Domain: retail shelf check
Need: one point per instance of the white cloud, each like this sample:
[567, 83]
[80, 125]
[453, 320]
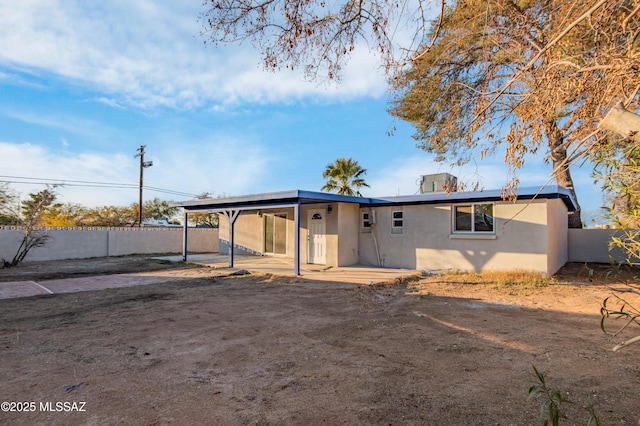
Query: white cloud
[147, 54]
[218, 166]
[68, 123]
[109, 102]
[39, 163]
[221, 164]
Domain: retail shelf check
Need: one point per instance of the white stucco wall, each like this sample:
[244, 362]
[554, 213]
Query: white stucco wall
[82, 243]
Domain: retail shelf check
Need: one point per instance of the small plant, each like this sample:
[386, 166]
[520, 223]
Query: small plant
[552, 399]
[554, 403]
[625, 311]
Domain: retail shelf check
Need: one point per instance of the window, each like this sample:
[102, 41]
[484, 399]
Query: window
[366, 222]
[397, 221]
[473, 218]
[275, 233]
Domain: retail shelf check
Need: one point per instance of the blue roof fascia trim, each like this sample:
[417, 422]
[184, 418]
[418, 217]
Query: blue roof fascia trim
[313, 196]
[282, 197]
[310, 197]
[548, 192]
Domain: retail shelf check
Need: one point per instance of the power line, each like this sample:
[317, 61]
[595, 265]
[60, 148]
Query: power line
[67, 180]
[165, 191]
[99, 184]
[90, 184]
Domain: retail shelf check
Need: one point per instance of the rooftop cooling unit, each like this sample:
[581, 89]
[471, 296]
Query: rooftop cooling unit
[439, 182]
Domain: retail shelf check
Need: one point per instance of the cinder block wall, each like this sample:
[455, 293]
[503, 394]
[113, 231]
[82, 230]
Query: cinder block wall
[592, 245]
[82, 243]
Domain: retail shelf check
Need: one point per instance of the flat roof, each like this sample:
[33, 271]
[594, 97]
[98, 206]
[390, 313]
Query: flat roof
[269, 199]
[527, 193]
[293, 197]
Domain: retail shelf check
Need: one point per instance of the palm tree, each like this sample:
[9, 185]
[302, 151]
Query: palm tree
[344, 176]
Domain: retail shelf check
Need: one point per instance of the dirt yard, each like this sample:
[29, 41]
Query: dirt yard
[260, 349]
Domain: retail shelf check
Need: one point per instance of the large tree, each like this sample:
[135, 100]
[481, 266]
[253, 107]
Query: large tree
[344, 176]
[530, 74]
[69, 214]
[64, 214]
[157, 209]
[315, 35]
[210, 220]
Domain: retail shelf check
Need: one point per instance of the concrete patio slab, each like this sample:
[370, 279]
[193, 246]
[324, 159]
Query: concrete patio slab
[15, 289]
[356, 274]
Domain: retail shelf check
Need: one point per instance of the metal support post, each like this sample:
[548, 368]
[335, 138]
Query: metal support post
[184, 236]
[296, 239]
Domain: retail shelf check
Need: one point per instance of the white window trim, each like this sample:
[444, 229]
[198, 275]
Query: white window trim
[473, 234]
[393, 219]
[466, 235]
[363, 220]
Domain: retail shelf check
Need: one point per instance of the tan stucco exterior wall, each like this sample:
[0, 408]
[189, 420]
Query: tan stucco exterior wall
[348, 229]
[341, 232]
[529, 235]
[249, 231]
[426, 242]
[342, 220]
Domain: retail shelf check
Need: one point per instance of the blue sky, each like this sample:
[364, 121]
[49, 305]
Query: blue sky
[84, 84]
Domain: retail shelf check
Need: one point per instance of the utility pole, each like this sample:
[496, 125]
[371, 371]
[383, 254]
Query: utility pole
[143, 165]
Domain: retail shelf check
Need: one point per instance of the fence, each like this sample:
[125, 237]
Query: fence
[585, 245]
[592, 245]
[85, 242]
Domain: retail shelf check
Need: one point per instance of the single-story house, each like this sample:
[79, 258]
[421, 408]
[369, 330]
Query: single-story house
[471, 231]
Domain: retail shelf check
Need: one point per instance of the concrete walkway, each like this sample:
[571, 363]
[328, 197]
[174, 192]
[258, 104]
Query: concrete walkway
[283, 266]
[217, 266]
[14, 289]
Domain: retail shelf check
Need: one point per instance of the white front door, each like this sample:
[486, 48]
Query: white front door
[317, 237]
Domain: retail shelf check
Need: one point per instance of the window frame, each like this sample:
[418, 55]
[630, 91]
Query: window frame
[472, 231]
[282, 215]
[395, 228]
[365, 221]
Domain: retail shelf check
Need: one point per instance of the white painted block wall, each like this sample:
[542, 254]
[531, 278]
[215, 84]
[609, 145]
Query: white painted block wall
[82, 243]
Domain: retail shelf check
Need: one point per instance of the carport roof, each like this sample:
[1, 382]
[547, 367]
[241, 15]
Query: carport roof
[269, 199]
[295, 197]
